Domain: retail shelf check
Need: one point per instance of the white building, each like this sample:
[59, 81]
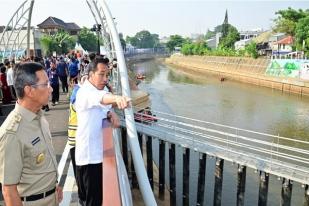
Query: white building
[242, 44]
[213, 43]
[250, 34]
[21, 42]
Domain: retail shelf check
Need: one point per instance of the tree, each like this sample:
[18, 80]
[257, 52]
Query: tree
[88, 39]
[302, 34]
[61, 42]
[175, 41]
[231, 37]
[187, 49]
[251, 50]
[144, 39]
[287, 20]
[132, 40]
[156, 40]
[47, 44]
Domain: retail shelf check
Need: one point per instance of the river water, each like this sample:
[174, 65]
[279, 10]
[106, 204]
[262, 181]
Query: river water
[245, 106]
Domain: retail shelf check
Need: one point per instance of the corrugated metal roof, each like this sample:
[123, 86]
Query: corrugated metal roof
[263, 37]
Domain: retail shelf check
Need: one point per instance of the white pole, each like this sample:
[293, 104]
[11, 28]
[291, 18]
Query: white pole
[143, 182]
[29, 27]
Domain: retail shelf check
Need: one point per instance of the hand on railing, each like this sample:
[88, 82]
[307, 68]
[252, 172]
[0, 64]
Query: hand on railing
[113, 118]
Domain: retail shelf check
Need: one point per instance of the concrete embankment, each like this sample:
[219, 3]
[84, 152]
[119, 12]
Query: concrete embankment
[241, 69]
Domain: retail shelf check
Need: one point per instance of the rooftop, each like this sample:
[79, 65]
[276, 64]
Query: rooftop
[52, 22]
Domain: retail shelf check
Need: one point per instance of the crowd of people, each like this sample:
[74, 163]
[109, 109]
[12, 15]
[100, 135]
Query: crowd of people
[28, 167]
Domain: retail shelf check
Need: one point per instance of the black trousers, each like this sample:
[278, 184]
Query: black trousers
[72, 153]
[13, 93]
[64, 83]
[89, 182]
[55, 93]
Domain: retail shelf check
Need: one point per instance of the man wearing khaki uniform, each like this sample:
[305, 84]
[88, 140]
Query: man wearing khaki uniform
[28, 168]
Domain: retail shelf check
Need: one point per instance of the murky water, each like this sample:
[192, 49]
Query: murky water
[230, 103]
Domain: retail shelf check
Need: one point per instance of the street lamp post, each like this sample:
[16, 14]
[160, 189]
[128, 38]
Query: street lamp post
[97, 28]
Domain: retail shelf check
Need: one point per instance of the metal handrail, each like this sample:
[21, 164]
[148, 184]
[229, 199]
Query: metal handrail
[192, 135]
[224, 126]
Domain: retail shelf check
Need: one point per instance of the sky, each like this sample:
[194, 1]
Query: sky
[163, 17]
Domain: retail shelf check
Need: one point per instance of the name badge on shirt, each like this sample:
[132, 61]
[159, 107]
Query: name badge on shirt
[35, 141]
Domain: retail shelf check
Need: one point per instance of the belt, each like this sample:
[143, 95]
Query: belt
[38, 196]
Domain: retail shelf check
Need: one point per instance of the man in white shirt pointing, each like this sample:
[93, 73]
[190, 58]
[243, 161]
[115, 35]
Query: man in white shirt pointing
[92, 106]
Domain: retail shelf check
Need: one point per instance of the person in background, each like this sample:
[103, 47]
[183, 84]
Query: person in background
[7, 98]
[73, 71]
[54, 82]
[9, 78]
[62, 69]
[41, 61]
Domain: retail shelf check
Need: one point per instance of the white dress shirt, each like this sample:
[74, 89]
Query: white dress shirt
[90, 115]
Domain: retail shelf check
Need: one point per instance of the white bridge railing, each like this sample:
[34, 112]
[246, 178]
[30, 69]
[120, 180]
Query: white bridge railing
[285, 157]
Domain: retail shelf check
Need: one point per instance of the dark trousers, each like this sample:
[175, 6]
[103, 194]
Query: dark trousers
[55, 93]
[72, 153]
[73, 79]
[13, 93]
[89, 182]
[64, 83]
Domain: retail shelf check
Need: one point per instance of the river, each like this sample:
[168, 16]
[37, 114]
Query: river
[245, 106]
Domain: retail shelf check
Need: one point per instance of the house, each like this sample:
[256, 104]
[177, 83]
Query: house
[283, 46]
[52, 25]
[272, 41]
[262, 43]
[239, 45]
[249, 34]
[214, 41]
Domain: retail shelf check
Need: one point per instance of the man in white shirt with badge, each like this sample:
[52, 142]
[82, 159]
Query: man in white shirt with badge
[92, 106]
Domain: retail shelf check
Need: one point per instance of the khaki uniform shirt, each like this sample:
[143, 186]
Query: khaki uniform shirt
[27, 158]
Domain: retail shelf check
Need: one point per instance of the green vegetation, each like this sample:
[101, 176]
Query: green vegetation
[61, 42]
[144, 39]
[231, 37]
[87, 39]
[295, 23]
[175, 41]
[302, 35]
[201, 48]
[251, 51]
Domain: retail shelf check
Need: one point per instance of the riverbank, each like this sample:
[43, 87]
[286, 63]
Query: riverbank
[246, 70]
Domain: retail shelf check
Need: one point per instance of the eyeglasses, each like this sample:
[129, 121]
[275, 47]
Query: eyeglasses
[44, 85]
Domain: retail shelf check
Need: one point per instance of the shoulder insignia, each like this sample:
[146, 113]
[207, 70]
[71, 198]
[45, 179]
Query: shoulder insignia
[14, 123]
